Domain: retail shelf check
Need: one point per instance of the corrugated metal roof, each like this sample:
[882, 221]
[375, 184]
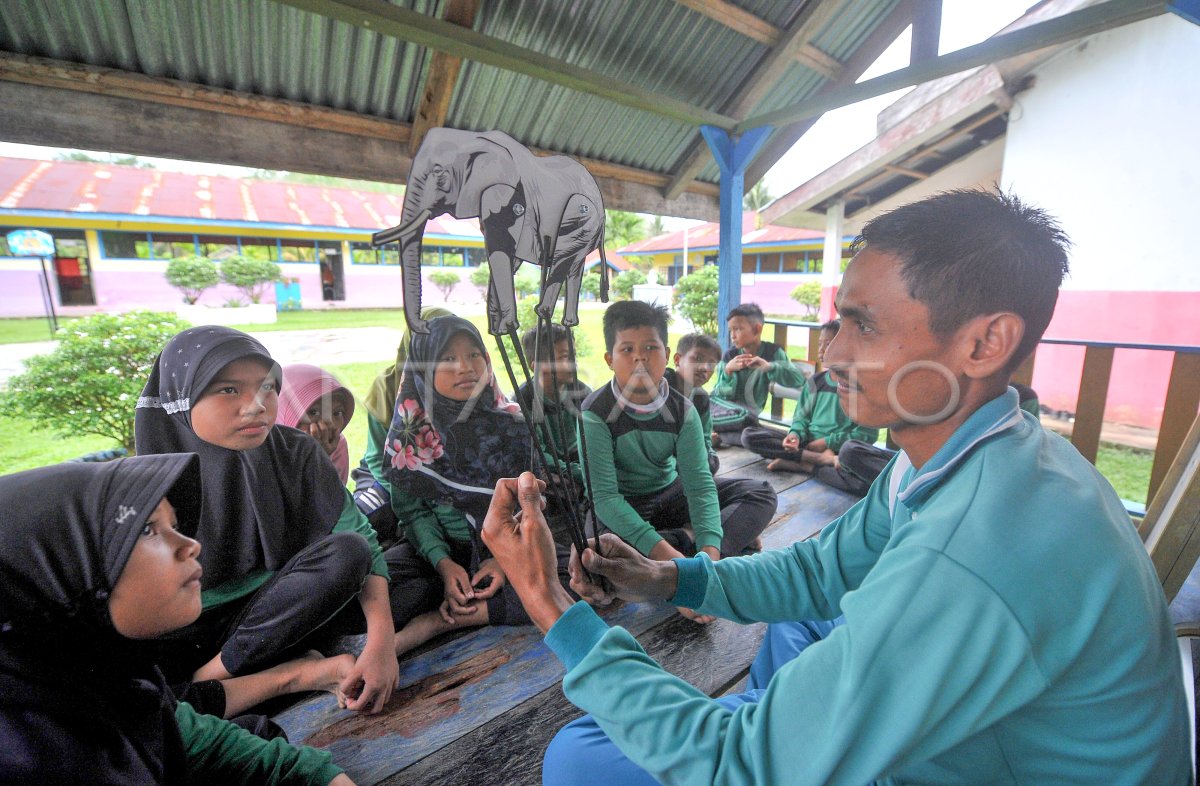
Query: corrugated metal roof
[271, 49]
[108, 189]
[708, 235]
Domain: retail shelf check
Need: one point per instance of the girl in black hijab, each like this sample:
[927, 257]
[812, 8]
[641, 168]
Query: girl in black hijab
[94, 559]
[286, 550]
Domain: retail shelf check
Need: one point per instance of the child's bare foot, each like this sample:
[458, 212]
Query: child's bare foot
[314, 671]
[784, 465]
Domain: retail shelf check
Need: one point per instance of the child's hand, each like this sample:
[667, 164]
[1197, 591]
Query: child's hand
[756, 362]
[488, 579]
[455, 582]
[791, 442]
[738, 363]
[325, 435]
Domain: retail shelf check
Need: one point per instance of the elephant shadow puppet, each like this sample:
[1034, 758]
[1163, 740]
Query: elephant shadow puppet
[545, 210]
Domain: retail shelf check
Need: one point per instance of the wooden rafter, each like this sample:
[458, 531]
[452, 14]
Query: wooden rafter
[440, 78]
[757, 85]
[736, 18]
[396, 22]
[903, 170]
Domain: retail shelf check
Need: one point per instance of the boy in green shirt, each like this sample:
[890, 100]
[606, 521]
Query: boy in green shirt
[1002, 621]
[822, 440]
[646, 459]
[745, 374]
[696, 358]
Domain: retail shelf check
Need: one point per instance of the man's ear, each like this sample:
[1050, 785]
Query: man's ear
[994, 339]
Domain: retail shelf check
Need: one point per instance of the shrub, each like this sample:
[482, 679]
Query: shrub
[480, 277]
[90, 382]
[251, 276]
[808, 295]
[591, 285]
[528, 318]
[191, 276]
[696, 298]
[528, 282]
[445, 281]
[623, 286]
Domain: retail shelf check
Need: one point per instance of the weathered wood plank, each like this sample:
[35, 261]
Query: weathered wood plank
[734, 457]
[1093, 393]
[1179, 409]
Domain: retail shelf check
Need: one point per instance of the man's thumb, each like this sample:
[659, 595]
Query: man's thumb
[529, 494]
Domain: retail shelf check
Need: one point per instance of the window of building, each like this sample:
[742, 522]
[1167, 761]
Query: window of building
[125, 245]
[4, 250]
[218, 247]
[261, 248]
[431, 256]
[453, 257]
[476, 256]
[297, 251]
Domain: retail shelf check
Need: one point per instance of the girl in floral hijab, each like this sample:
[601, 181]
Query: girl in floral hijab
[453, 435]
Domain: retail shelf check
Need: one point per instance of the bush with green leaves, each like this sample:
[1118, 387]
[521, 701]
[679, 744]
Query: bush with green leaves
[251, 276]
[191, 276]
[623, 286]
[480, 277]
[591, 285]
[90, 382]
[528, 281]
[445, 281]
[696, 299]
[808, 295]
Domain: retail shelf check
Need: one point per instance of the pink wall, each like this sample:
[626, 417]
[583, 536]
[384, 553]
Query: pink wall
[773, 294]
[1138, 385]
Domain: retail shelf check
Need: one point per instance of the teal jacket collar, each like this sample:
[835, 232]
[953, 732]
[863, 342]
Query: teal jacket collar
[909, 486]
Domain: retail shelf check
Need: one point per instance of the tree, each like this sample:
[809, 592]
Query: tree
[696, 298]
[624, 284]
[656, 227]
[251, 276]
[591, 284]
[481, 276]
[191, 276]
[757, 197]
[808, 295]
[90, 382]
[445, 281]
[528, 282]
[106, 158]
[622, 228]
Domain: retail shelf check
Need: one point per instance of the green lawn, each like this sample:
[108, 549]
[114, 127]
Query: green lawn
[22, 330]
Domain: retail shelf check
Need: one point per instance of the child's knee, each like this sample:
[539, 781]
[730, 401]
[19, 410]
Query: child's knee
[349, 555]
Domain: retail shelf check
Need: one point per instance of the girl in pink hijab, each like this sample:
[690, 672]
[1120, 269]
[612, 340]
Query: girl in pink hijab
[313, 401]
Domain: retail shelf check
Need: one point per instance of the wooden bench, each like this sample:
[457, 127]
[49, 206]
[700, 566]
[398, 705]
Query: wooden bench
[481, 708]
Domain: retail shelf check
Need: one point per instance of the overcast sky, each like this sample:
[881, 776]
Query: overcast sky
[832, 138]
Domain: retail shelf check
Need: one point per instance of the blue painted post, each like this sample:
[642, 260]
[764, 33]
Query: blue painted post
[733, 156]
[1186, 9]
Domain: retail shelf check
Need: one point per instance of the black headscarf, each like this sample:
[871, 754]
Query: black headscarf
[261, 506]
[78, 701]
[452, 452]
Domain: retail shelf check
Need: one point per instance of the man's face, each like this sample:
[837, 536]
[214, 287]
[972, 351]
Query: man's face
[892, 371]
[743, 332]
[638, 360]
[696, 365]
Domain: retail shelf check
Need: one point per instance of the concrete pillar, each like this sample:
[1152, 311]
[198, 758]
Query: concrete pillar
[831, 270]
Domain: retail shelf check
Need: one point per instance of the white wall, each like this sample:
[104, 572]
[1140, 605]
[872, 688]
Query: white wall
[1109, 141]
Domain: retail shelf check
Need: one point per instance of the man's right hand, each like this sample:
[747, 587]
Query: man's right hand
[628, 575]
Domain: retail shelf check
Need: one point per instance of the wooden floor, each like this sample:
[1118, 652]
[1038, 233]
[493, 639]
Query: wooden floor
[481, 708]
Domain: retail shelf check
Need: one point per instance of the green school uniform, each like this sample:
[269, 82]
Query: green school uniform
[749, 387]
[1003, 624]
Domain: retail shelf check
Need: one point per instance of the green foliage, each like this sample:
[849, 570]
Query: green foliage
[480, 276]
[90, 383]
[249, 275]
[623, 286]
[106, 158]
[191, 276]
[696, 298]
[656, 227]
[591, 284]
[757, 197]
[808, 295]
[328, 180]
[622, 228]
[445, 281]
[528, 317]
[527, 282]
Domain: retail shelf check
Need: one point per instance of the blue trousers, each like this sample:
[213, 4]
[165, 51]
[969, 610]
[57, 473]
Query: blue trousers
[581, 750]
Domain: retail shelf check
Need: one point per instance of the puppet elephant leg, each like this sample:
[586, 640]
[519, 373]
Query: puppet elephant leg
[502, 216]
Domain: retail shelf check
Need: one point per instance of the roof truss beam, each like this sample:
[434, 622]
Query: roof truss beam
[1068, 27]
[441, 76]
[438, 34]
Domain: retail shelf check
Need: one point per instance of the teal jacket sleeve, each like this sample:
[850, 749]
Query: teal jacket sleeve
[353, 520]
[219, 752]
[783, 372]
[691, 461]
[611, 507]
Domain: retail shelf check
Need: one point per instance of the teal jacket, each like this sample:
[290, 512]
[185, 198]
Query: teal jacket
[819, 415]
[1003, 624]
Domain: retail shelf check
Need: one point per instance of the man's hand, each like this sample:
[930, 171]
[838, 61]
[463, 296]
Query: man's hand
[628, 574]
[455, 582]
[522, 544]
[791, 442]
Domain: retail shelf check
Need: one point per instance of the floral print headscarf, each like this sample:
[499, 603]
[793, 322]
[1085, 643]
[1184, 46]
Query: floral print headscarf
[452, 452]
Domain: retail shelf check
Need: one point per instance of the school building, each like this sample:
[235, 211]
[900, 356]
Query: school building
[115, 229]
[775, 259]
